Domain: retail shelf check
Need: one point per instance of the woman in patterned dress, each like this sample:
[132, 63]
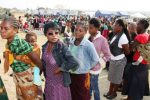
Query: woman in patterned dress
[57, 61]
[22, 71]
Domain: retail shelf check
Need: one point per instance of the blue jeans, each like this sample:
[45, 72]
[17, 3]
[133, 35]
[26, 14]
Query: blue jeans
[94, 86]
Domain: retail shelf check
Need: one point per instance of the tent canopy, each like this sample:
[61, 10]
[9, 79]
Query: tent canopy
[138, 15]
[97, 13]
[107, 13]
[102, 13]
[122, 13]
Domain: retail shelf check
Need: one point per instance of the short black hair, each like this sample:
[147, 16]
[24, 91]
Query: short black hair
[144, 23]
[121, 23]
[95, 22]
[50, 25]
[83, 24]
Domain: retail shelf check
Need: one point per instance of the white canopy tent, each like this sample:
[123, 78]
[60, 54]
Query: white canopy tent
[35, 12]
[138, 15]
[90, 13]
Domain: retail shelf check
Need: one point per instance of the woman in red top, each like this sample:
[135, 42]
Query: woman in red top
[25, 26]
[138, 81]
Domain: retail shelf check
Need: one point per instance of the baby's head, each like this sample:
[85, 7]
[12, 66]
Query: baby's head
[31, 38]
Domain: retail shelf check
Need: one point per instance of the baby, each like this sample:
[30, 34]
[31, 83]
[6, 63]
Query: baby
[32, 39]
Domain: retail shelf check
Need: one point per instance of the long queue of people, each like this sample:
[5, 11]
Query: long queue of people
[72, 68]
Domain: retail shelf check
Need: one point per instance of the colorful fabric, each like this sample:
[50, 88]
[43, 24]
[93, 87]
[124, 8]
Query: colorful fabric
[141, 39]
[54, 87]
[19, 47]
[144, 51]
[25, 88]
[8, 60]
[26, 59]
[37, 50]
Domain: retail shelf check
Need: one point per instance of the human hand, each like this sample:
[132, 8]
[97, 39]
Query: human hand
[57, 71]
[136, 63]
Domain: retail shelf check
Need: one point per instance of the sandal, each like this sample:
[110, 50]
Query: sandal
[110, 97]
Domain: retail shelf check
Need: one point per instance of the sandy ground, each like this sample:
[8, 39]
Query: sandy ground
[10, 86]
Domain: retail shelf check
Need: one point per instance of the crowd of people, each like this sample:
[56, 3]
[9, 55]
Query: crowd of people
[37, 22]
[72, 67]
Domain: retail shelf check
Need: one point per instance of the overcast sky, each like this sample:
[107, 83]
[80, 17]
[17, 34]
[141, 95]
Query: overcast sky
[110, 5]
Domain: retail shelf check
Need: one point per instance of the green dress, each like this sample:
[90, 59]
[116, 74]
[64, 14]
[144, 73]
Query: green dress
[3, 93]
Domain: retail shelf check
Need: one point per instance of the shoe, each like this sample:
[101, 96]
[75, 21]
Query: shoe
[110, 97]
[106, 94]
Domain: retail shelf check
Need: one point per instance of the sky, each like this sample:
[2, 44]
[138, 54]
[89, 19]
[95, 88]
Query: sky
[108, 5]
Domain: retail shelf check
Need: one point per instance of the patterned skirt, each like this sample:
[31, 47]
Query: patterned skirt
[25, 89]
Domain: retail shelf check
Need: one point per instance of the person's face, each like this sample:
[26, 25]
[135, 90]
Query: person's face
[7, 30]
[131, 28]
[139, 28]
[68, 24]
[116, 28]
[52, 35]
[92, 29]
[79, 32]
[32, 40]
